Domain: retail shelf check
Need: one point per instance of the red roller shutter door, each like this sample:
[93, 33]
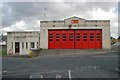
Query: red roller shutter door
[70, 39]
[58, 39]
[78, 40]
[74, 39]
[64, 34]
[98, 40]
[51, 39]
[91, 37]
[85, 39]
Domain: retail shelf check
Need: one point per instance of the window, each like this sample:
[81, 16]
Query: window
[91, 39]
[95, 25]
[77, 39]
[22, 45]
[84, 36]
[50, 36]
[26, 45]
[75, 25]
[64, 39]
[70, 25]
[70, 36]
[45, 21]
[37, 45]
[91, 36]
[57, 39]
[57, 36]
[64, 36]
[12, 45]
[70, 39]
[77, 36]
[98, 36]
[50, 39]
[54, 21]
[98, 39]
[32, 45]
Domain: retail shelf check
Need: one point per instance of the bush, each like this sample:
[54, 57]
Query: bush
[3, 52]
[30, 54]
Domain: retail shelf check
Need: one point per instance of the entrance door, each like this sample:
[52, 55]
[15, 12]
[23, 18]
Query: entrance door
[17, 47]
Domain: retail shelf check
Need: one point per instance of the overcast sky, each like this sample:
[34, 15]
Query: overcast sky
[26, 16]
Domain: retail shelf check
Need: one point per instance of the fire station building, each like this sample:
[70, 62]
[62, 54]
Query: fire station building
[75, 33]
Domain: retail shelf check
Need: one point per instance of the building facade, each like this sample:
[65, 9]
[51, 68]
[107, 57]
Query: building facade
[75, 33]
[22, 42]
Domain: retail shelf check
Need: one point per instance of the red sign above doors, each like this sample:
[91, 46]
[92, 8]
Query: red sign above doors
[74, 21]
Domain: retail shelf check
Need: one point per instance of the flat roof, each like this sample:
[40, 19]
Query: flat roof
[23, 31]
[71, 18]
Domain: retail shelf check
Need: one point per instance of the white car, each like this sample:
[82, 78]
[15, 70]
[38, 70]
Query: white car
[117, 43]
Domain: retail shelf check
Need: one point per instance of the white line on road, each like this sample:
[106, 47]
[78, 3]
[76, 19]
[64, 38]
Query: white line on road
[69, 73]
[104, 56]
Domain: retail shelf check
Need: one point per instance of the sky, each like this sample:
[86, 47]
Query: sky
[26, 16]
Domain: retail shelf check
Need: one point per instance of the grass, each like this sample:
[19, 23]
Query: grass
[3, 52]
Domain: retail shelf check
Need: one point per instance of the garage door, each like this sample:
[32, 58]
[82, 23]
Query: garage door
[74, 39]
[51, 39]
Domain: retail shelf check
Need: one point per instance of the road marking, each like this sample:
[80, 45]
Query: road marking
[69, 73]
[104, 56]
[4, 71]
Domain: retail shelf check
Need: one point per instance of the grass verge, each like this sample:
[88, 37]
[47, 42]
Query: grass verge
[3, 52]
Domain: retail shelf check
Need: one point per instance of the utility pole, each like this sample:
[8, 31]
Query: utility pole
[45, 13]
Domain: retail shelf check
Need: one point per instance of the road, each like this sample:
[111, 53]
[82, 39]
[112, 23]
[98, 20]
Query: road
[80, 66]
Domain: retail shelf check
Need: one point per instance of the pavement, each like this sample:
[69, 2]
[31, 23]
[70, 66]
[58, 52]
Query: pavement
[64, 64]
[73, 52]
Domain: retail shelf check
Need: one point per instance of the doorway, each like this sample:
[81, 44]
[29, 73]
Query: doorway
[17, 47]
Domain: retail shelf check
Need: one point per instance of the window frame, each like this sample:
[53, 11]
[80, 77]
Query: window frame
[26, 45]
[22, 45]
[32, 43]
